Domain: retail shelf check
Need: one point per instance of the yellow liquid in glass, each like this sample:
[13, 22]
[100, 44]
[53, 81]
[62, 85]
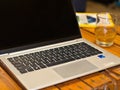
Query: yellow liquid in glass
[105, 35]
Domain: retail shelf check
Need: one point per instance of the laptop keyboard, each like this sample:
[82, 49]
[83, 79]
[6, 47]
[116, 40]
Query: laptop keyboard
[43, 59]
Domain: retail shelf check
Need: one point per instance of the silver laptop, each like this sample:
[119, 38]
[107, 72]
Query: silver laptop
[40, 44]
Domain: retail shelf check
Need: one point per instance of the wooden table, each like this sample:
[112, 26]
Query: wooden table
[7, 83]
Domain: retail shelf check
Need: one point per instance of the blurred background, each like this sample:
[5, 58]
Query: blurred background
[97, 5]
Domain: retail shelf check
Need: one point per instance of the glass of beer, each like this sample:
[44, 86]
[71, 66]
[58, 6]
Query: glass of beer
[105, 30]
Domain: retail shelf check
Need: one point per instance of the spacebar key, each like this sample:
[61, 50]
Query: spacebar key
[56, 63]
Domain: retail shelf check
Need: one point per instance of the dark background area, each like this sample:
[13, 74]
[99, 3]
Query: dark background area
[99, 6]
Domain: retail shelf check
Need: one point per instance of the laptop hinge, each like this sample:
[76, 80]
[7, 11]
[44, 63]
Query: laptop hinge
[4, 54]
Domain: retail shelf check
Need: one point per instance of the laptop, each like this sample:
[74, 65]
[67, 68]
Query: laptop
[41, 44]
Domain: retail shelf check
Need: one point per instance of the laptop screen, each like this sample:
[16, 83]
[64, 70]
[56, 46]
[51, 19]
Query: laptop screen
[26, 22]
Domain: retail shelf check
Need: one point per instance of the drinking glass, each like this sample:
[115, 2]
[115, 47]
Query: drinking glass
[105, 30]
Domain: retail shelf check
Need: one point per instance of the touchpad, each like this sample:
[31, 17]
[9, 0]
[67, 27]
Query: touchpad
[75, 68]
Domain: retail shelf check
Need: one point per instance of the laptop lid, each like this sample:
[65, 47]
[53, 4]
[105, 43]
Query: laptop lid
[30, 23]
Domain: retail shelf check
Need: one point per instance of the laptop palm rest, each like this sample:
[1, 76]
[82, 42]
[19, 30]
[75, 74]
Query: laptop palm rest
[75, 69]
